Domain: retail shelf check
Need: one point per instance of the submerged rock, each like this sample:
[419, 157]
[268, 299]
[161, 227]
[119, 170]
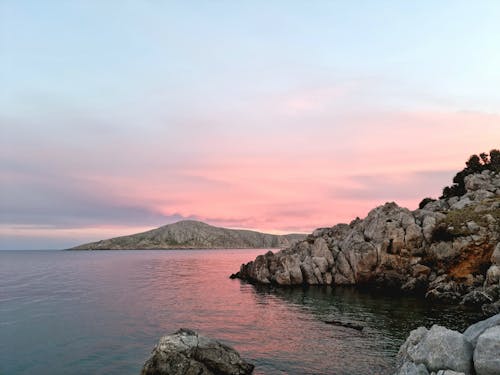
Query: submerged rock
[442, 351]
[187, 353]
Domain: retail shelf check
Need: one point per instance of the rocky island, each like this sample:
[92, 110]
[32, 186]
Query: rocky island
[191, 234]
[447, 249]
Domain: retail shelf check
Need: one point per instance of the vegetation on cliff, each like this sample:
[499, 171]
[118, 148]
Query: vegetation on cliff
[447, 249]
[475, 164]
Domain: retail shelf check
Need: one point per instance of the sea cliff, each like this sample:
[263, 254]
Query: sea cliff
[449, 249]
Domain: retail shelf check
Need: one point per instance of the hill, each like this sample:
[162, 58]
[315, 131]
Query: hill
[191, 234]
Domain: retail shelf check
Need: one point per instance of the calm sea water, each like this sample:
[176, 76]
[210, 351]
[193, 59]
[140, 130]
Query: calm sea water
[102, 313]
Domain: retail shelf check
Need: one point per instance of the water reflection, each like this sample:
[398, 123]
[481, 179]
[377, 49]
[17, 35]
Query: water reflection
[387, 319]
[102, 312]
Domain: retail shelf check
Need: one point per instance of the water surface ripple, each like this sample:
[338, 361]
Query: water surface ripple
[102, 312]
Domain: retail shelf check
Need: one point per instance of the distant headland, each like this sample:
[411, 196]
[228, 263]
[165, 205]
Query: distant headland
[192, 234]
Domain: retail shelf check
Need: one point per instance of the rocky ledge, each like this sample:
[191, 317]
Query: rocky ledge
[187, 353]
[448, 249]
[441, 351]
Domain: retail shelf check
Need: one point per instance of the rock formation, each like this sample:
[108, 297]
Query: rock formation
[187, 353]
[449, 249]
[190, 234]
[441, 351]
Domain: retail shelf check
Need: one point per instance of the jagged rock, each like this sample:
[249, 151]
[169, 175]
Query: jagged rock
[493, 275]
[410, 368]
[420, 269]
[476, 298]
[491, 308]
[442, 250]
[461, 204]
[437, 349]
[444, 254]
[487, 352]
[187, 353]
[428, 225]
[474, 331]
[473, 227]
[477, 182]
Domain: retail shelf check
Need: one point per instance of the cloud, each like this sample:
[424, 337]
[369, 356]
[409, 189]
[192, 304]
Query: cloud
[402, 186]
[289, 172]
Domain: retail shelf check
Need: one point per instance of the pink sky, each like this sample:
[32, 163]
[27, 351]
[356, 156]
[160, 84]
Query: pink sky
[265, 115]
[291, 182]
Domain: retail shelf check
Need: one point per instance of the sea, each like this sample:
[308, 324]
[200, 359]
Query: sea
[102, 312]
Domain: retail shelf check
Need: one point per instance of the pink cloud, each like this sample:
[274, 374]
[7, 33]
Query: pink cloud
[329, 172]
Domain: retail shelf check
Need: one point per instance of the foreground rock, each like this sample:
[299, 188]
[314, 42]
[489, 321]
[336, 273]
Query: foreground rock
[442, 351]
[447, 250]
[187, 353]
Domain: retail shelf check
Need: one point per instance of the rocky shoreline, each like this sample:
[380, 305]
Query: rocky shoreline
[447, 250]
[434, 351]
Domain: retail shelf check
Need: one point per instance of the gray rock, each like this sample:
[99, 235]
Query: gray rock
[462, 203]
[473, 227]
[410, 368]
[438, 348]
[477, 182]
[487, 352]
[442, 250]
[428, 225]
[449, 372]
[187, 353]
[474, 331]
[493, 275]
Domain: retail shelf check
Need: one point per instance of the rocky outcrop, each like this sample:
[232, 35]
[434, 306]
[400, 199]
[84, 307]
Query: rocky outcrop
[448, 250]
[190, 234]
[441, 351]
[187, 353]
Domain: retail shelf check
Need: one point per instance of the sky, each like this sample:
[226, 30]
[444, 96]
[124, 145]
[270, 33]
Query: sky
[280, 116]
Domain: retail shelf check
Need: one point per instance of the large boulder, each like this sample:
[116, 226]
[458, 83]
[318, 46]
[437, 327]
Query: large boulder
[437, 349]
[478, 181]
[441, 351]
[187, 353]
[474, 331]
[487, 352]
